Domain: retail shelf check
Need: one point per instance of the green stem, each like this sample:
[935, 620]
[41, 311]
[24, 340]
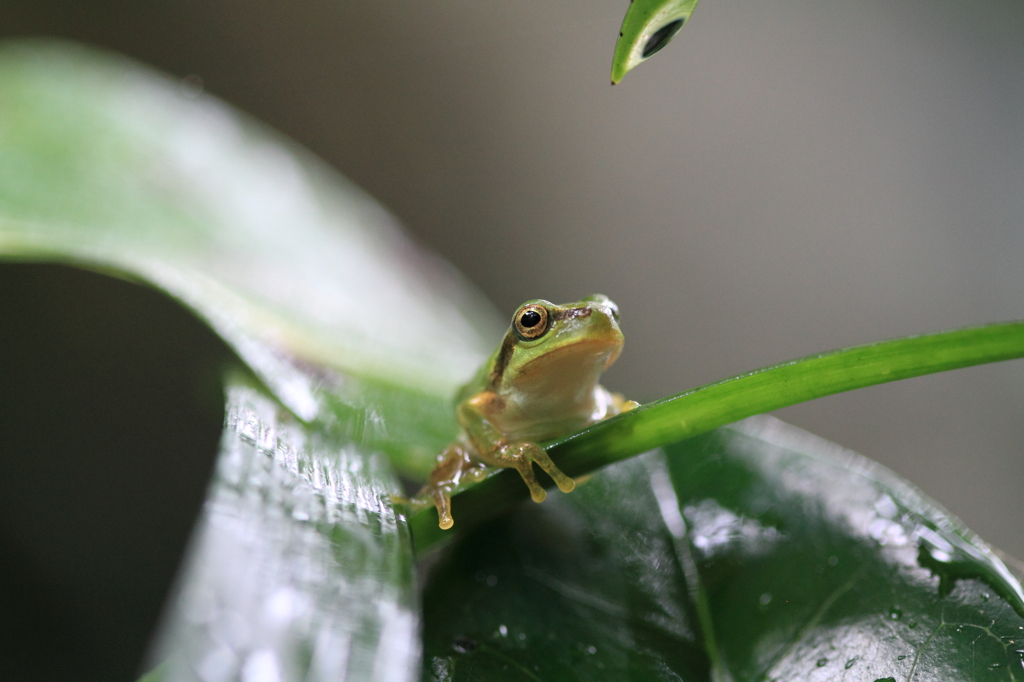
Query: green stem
[708, 407]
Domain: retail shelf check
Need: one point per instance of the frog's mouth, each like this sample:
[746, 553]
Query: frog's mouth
[574, 365]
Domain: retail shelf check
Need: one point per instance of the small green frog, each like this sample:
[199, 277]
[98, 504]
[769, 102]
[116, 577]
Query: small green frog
[540, 384]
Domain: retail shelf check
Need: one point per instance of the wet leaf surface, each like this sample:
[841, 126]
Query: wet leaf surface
[585, 586]
[300, 567]
[810, 560]
[756, 552]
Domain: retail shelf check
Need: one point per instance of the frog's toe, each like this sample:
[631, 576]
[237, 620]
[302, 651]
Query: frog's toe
[537, 493]
[444, 509]
[525, 469]
[564, 483]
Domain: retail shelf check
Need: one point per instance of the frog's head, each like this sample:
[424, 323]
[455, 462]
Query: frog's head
[558, 347]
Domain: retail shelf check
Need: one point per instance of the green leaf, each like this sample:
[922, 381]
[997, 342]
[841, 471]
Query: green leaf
[707, 407]
[300, 566]
[647, 28]
[756, 552]
[585, 587]
[813, 560]
[106, 164]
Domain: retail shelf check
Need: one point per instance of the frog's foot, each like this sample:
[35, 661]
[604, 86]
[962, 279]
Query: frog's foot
[440, 496]
[564, 483]
[522, 456]
[443, 502]
[453, 465]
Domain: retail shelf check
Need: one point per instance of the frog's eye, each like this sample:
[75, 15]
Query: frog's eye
[531, 321]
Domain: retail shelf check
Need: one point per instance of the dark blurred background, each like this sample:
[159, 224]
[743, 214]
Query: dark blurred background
[99, 484]
[787, 177]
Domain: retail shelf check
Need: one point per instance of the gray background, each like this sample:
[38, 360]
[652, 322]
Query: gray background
[788, 176]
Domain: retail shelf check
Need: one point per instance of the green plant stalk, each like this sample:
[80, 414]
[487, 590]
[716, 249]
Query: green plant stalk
[713, 405]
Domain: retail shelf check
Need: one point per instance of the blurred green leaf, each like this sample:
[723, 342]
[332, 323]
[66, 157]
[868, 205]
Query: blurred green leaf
[756, 552]
[300, 566]
[106, 164]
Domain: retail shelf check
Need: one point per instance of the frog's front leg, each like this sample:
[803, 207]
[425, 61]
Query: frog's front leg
[495, 449]
[455, 464]
[522, 456]
[443, 479]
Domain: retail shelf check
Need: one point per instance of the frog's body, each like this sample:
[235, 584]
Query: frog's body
[540, 384]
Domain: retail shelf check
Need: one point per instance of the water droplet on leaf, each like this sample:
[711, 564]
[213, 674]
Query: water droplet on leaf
[464, 645]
